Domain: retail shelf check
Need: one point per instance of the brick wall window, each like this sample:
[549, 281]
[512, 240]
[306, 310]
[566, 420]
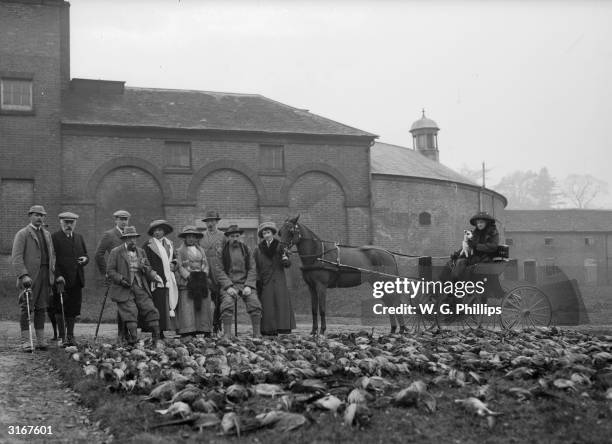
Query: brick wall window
[548, 241]
[425, 218]
[550, 267]
[16, 94]
[589, 241]
[272, 158]
[177, 155]
[16, 198]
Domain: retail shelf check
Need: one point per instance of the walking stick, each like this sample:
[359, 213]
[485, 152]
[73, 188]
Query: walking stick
[27, 293]
[101, 312]
[60, 288]
[236, 316]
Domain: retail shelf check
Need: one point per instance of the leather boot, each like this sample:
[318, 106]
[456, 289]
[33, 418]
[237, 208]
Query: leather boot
[256, 323]
[132, 330]
[70, 331]
[41, 344]
[55, 323]
[155, 335]
[227, 328]
[25, 345]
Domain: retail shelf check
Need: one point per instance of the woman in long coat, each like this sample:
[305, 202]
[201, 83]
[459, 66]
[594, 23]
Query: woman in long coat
[162, 257]
[271, 261]
[194, 311]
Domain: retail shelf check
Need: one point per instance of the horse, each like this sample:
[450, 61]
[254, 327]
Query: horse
[326, 265]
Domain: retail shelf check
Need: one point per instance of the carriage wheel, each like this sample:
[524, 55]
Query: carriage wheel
[525, 306]
[423, 320]
[473, 321]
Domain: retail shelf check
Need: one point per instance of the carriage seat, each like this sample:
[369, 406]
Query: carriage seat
[503, 253]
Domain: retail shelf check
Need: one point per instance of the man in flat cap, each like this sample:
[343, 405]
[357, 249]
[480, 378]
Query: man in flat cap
[110, 240]
[71, 257]
[130, 273]
[236, 273]
[213, 242]
[33, 262]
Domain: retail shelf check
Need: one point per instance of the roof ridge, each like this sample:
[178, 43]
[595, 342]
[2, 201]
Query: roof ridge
[144, 88]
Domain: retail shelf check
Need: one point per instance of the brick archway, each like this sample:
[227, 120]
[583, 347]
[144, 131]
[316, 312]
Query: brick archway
[316, 167]
[134, 162]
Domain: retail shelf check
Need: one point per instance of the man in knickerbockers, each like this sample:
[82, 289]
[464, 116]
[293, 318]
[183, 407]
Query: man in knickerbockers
[213, 241]
[71, 257]
[110, 240]
[236, 272]
[130, 273]
[33, 262]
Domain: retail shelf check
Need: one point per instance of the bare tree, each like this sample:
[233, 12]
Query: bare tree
[581, 189]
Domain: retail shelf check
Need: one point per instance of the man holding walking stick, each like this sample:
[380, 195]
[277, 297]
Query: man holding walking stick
[33, 263]
[71, 257]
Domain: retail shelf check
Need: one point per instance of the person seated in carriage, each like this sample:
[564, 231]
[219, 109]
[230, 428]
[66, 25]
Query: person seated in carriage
[482, 245]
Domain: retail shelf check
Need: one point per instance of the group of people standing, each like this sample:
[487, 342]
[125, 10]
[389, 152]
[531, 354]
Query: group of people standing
[190, 289]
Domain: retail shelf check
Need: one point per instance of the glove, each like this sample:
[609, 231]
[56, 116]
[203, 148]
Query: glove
[26, 281]
[159, 281]
[246, 291]
[232, 291]
[124, 283]
[172, 314]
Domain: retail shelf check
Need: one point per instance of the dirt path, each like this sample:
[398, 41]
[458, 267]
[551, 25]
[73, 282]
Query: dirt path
[33, 394]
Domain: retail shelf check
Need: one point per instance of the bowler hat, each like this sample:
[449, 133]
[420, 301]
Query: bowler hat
[129, 232]
[482, 215]
[67, 215]
[211, 215]
[160, 223]
[266, 226]
[190, 229]
[37, 209]
[122, 213]
[233, 229]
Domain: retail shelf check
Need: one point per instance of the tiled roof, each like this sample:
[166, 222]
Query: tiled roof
[559, 220]
[402, 161]
[183, 109]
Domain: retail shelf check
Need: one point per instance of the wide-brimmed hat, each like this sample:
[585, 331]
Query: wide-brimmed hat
[122, 213]
[482, 215]
[233, 229]
[160, 223]
[67, 215]
[129, 232]
[37, 209]
[211, 215]
[190, 229]
[267, 226]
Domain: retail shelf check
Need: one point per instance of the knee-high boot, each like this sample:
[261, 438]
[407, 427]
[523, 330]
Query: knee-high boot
[54, 323]
[61, 328]
[70, 330]
[132, 330]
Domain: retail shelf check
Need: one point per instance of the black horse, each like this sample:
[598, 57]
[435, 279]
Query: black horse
[326, 265]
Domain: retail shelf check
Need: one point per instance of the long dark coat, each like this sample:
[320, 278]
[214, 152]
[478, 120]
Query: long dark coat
[160, 295]
[275, 298]
[66, 253]
[485, 243]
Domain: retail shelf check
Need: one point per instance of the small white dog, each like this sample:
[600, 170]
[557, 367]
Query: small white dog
[466, 250]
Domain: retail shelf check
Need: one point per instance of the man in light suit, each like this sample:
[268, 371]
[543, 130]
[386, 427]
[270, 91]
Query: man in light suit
[71, 257]
[110, 240]
[130, 274]
[33, 262]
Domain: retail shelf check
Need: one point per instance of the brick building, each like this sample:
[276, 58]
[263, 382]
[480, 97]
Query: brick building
[94, 146]
[577, 241]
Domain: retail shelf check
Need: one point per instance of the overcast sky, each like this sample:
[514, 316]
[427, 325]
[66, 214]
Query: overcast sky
[519, 85]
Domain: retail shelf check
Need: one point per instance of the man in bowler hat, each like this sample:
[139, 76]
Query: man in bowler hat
[71, 257]
[213, 241]
[130, 273]
[33, 262]
[236, 273]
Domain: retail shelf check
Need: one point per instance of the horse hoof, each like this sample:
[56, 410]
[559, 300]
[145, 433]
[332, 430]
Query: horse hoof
[313, 333]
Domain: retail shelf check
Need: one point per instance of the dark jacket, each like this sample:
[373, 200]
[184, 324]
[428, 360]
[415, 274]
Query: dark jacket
[118, 268]
[110, 240]
[222, 267]
[67, 251]
[153, 254]
[485, 243]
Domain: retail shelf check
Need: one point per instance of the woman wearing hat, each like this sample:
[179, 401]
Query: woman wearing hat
[162, 257]
[194, 310]
[484, 243]
[271, 261]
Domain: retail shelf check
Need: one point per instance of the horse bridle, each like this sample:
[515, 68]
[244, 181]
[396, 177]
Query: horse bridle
[295, 228]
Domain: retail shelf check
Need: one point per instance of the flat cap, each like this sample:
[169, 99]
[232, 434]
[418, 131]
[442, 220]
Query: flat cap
[67, 215]
[122, 213]
[37, 209]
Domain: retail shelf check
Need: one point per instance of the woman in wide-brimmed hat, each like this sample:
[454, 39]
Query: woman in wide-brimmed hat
[271, 261]
[194, 311]
[162, 257]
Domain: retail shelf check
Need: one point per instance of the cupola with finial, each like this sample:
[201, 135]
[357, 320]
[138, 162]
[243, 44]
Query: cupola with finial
[425, 137]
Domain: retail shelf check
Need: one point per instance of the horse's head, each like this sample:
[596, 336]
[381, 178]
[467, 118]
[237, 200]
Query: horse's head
[290, 233]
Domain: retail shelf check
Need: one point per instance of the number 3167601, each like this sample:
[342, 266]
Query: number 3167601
[29, 430]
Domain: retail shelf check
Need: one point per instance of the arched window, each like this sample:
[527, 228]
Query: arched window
[424, 218]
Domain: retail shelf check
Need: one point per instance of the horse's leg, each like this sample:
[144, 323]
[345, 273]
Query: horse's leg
[322, 295]
[314, 303]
